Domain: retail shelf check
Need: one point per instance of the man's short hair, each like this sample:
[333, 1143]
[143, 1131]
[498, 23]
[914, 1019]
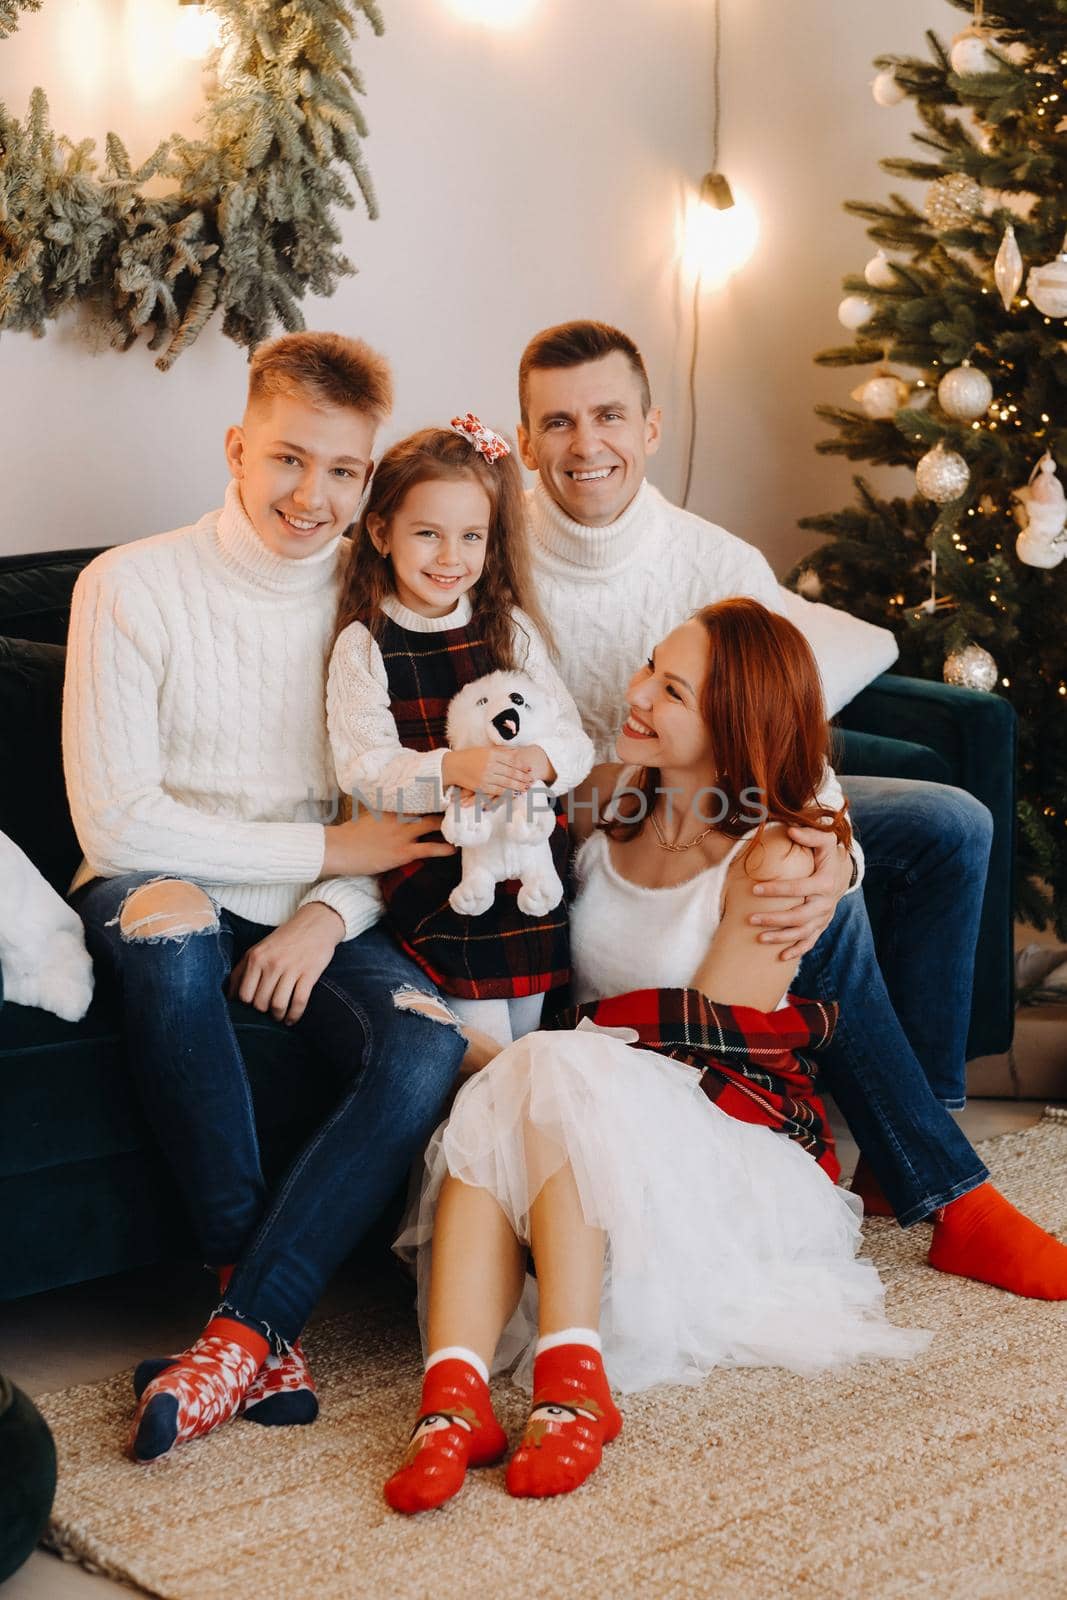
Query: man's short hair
[326, 368]
[572, 344]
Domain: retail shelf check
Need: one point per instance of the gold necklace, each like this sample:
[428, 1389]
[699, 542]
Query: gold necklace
[677, 848]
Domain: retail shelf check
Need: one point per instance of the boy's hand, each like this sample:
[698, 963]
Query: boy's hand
[800, 929]
[279, 973]
[372, 844]
[490, 770]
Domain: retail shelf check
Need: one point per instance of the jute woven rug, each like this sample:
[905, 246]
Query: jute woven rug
[943, 1478]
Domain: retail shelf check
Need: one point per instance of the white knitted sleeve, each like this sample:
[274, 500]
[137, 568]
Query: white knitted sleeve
[124, 818]
[370, 760]
[569, 748]
[357, 902]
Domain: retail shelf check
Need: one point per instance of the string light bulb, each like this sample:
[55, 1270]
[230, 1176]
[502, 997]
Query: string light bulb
[721, 231]
[197, 31]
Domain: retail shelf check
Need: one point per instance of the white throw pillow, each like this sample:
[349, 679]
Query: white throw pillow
[850, 652]
[42, 944]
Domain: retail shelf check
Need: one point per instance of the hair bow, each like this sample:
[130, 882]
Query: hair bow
[489, 444]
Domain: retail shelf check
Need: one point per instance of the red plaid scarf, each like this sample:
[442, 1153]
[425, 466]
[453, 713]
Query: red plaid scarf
[752, 1063]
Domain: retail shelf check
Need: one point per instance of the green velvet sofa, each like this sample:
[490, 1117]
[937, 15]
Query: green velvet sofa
[83, 1192]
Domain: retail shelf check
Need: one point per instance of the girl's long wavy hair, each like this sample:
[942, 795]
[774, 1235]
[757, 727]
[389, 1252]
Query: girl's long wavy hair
[763, 705]
[428, 456]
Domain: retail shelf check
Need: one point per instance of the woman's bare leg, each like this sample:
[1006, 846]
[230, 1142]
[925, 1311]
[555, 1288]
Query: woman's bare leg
[477, 1271]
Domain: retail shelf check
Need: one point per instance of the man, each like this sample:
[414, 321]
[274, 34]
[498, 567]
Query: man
[200, 778]
[617, 567]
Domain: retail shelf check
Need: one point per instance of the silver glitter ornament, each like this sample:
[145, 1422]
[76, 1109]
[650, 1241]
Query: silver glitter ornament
[942, 475]
[965, 394]
[952, 201]
[971, 668]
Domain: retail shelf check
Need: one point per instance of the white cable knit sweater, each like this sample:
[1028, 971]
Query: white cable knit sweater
[612, 593]
[194, 735]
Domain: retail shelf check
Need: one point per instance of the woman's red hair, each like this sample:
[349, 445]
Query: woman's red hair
[763, 705]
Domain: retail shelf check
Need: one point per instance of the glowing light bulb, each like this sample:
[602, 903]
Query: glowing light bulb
[494, 13]
[720, 231]
[197, 30]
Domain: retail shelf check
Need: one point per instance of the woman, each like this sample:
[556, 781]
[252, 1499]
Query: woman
[669, 1235]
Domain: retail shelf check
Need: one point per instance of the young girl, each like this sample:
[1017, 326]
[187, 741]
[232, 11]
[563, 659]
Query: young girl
[661, 1220]
[436, 595]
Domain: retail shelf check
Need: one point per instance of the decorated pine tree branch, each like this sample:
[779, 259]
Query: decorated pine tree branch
[961, 323]
[247, 225]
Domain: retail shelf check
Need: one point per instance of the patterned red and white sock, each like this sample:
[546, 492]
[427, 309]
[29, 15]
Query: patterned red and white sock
[572, 1418]
[282, 1393]
[203, 1389]
[455, 1429]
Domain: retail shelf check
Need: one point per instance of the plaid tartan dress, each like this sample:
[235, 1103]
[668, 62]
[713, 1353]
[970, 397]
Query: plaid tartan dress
[753, 1064]
[502, 954]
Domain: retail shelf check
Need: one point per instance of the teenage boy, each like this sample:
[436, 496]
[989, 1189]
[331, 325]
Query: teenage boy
[201, 783]
[617, 567]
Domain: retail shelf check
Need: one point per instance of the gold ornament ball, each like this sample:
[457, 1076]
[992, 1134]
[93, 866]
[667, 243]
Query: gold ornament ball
[965, 394]
[952, 201]
[971, 668]
[942, 475]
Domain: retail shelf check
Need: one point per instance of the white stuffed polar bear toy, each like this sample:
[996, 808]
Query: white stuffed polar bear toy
[508, 838]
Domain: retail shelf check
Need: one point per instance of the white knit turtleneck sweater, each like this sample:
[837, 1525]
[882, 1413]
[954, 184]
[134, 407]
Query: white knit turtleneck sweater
[194, 734]
[610, 594]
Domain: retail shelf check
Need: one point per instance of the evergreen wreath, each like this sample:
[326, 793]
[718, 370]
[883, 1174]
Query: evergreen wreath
[247, 222]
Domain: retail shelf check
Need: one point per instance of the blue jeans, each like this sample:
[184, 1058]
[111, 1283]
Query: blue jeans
[394, 1069]
[898, 1054]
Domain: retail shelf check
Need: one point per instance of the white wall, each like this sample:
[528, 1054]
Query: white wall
[525, 176]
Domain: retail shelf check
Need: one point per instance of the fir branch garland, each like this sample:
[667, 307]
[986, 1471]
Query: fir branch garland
[247, 225]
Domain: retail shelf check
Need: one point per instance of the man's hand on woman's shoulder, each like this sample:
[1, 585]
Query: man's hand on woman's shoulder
[828, 877]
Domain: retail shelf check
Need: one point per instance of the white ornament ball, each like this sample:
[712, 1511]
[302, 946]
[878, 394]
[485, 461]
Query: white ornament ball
[881, 397]
[965, 394]
[971, 668]
[1046, 287]
[887, 91]
[942, 475]
[809, 584]
[878, 272]
[855, 310]
[970, 54]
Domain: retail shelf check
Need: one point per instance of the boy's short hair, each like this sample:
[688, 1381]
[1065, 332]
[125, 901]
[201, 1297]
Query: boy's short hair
[325, 367]
[572, 344]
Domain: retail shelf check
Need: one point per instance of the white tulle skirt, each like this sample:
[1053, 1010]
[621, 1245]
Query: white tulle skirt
[726, 1244]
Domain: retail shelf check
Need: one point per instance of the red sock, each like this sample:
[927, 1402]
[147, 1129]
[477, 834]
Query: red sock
[866, 1185]
[573, 1417]
[981, 1235]
[455, 1429]
[203, 1388]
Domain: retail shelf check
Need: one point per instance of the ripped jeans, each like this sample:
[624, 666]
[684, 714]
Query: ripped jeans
[394, 1067]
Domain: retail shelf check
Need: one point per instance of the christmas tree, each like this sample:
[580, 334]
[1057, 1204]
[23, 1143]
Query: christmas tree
[960, 318]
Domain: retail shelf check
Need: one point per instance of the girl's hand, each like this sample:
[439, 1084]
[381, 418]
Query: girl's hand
[371, 844]
[490, 771]
[800, 929]
[279, 973]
